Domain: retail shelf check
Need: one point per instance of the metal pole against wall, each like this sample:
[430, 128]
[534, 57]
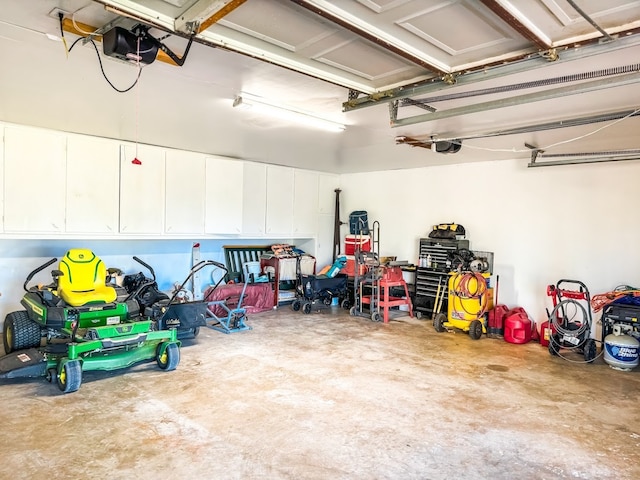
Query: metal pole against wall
[336, 226]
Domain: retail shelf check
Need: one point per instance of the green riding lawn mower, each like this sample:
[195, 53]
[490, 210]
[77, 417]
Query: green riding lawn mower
[83, 321]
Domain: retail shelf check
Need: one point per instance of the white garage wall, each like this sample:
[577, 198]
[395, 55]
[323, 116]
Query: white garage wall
[543, 224]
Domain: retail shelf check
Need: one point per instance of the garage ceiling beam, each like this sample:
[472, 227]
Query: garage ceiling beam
[532, 62]
[201, 15]
[537, 127]
[626, 79]
[581, 158]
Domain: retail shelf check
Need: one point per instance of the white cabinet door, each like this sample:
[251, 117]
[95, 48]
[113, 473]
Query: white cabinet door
[279, 216]
[141, 190]
[305, 203]
[254, 198]
[324, 248]
[92, 185]
[34, 180]
[327, 185]
[224, 198]
[184, 207]
[2, 179]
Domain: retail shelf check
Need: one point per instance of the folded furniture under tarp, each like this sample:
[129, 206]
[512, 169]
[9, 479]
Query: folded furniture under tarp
[258, 297]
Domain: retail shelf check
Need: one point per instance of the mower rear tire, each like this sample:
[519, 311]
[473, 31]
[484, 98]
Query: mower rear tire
[295, 306]
[590, 350]
[168, 356]
[475, 329]
[69, 375]
[438, 322]
[20, 332]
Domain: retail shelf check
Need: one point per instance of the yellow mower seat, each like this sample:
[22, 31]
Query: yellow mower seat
[83, 279]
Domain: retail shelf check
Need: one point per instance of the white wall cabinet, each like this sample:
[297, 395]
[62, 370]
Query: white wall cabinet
[2, 179]
[254, 198]
[279, 207]
[51, 182]
[224, 198]
[184, 192]
[34, 180]
[305, 203]
[141, 190]
[92, 192]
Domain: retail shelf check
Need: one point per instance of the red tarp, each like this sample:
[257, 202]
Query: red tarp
[257, 298]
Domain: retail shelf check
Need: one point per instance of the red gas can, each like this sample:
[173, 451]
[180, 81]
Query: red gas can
[545, 333]
[517, 326]
[495, 320]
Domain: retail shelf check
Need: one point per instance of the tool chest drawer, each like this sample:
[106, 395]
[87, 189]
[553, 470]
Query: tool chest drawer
[426, 289]
[428, 278]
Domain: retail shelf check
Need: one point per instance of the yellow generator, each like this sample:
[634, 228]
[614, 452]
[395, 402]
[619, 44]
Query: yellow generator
[469, 299]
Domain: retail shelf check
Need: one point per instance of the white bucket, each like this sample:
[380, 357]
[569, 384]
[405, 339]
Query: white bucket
[251, 268]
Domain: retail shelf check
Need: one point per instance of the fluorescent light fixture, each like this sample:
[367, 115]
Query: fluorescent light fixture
[289, 114]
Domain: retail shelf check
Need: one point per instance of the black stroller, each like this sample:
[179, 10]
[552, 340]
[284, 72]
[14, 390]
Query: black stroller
[313, 291]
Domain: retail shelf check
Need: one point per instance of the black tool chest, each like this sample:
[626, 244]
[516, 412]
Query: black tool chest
[428, 278]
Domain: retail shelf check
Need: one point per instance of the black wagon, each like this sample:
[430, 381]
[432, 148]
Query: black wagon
[318, 291]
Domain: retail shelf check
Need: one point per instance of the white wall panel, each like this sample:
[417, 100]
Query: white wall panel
[543, 224]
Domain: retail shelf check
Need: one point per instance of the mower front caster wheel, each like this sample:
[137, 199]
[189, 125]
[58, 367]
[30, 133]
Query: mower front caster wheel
[346, 304]
[438, 322]
[168, 356]
[376, 317]
[306, 308]
[295, 306]
[475, 329]
[69, 376]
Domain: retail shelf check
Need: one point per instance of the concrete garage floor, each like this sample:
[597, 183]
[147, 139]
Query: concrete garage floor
[329, 396]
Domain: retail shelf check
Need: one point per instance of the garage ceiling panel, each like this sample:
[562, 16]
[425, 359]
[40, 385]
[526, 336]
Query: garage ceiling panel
[375, 45]
[458, 28]
[561, 23]
[355, 56]
[265, 21]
